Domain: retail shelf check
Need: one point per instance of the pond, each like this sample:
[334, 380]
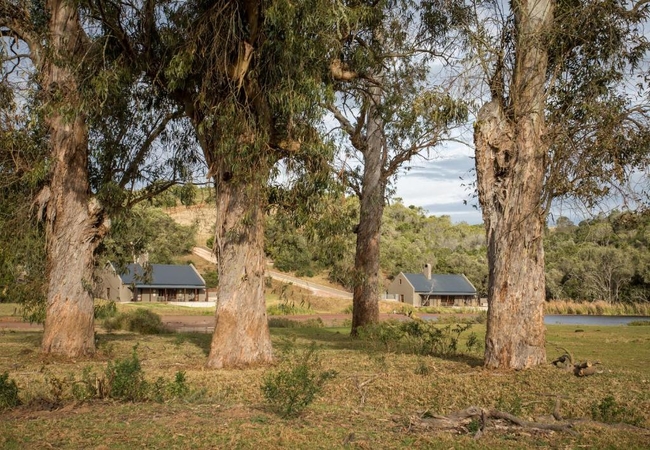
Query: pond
[553, 319]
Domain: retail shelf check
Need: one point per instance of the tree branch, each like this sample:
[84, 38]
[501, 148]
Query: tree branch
[131, 171]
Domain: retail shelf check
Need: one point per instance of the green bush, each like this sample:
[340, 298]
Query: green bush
[608, 410]
[291, 389]
[105, 309]
[140, 320]
[211, 279]
[125, 379]
[8, 392]
[419, 337]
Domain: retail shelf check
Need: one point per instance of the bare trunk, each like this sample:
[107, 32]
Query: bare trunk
[365, 306]
[510, 155]
[241, 335]
[74, 219]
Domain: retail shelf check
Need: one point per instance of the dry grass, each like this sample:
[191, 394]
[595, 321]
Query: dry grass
[349, 414]
[597, 308]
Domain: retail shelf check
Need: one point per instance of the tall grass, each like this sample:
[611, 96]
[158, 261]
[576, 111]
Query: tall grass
[597, 308]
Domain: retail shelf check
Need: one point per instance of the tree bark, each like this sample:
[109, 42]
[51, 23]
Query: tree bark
[365, 306]
[74, 219]
[241, 335]
[510, 163]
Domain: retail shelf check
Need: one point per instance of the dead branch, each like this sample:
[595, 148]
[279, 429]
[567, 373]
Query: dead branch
[459, 420]
[362, 388]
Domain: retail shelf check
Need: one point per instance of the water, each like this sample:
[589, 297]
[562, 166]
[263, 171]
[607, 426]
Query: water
[591, 320]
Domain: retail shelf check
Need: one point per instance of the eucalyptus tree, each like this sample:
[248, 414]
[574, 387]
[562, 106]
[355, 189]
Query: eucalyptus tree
[565, 118]
[75, 83]
[392, 106]
[22, 172]
[242, 72]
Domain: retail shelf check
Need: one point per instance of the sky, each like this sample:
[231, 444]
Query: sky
[442, 184]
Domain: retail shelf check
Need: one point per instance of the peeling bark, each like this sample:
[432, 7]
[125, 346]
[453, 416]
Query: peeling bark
[510, 163]
[241, 335]
[75, 221]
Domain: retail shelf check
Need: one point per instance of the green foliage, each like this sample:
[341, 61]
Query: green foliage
[122, 380]
[105, 309]
[291, 389]
[211, 278]
[125, 379]
[8, 392]
[140, 320]
[605, 258]
[608, 410]
[146, 230]
[420, 337]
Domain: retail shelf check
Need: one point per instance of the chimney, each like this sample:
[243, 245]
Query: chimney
[427, 271]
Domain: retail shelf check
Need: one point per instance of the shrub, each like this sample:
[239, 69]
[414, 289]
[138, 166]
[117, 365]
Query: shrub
[291, 389]
[420, 337]
[8, 392]
[609, 411]
[105, 309]
[125, 379]
[140, 320]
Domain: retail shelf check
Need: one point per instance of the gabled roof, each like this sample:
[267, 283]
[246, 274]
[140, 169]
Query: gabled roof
[441, 284]
[163, 276]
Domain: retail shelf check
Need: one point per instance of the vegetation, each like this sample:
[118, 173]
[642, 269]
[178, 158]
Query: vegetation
[372, 402]
[559, 121]
[8, 393]
[146, 230]
[140, 320]
[295, 386]
[605, 258]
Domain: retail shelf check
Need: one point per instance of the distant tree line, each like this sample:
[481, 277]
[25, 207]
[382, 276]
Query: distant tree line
[604, 258]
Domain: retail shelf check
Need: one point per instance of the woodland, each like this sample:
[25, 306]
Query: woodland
[289, 106]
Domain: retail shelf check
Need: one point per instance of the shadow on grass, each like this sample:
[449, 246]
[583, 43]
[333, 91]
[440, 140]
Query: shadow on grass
[340, 339]
[201, 340]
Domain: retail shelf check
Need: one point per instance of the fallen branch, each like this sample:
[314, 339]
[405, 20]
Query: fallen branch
[566, 362]
[459, 421]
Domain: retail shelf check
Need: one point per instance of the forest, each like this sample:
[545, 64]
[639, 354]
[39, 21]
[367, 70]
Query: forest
[606, 257]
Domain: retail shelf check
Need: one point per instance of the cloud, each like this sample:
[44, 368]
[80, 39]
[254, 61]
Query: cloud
[436, 186]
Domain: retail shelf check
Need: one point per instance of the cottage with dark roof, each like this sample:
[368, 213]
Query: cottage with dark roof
[426, 289]
[153, 283]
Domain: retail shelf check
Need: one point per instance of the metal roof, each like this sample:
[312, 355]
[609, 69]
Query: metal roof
[441, 284]
[163, 276]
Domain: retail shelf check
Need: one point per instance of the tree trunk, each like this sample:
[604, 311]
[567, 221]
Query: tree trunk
[510, 156]
[74, 218]
[365, 303]
[241, 335]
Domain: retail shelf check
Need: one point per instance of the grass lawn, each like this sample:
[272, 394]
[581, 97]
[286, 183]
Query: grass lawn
[372, 402]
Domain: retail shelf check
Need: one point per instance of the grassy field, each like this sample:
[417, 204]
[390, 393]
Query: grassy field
[373, 402]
